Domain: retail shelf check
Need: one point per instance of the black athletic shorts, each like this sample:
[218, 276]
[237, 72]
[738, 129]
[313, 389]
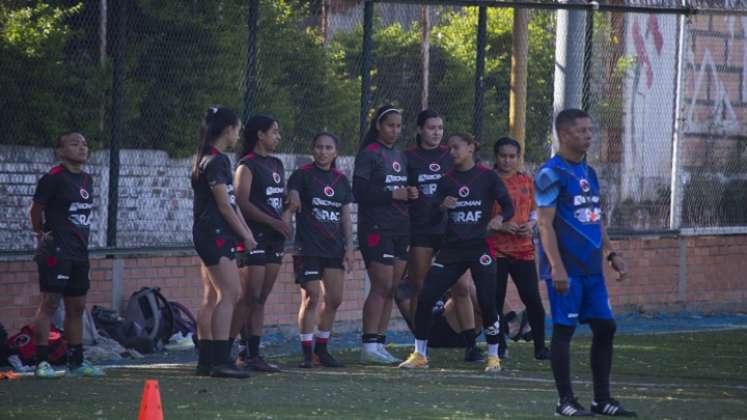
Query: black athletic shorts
[66, 277]
[270, 252]
[383, 248]
[426, 240]
[212, 244]
[442, 336]
[312, 268]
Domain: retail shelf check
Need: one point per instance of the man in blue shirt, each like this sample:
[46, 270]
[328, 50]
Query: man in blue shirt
[571, 258]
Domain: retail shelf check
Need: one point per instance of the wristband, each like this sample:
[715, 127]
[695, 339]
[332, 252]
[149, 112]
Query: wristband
[612, 255]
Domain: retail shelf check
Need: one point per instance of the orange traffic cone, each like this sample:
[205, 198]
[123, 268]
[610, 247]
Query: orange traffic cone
[150, 406]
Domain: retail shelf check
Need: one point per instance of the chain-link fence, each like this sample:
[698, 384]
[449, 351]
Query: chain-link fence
[668, 95]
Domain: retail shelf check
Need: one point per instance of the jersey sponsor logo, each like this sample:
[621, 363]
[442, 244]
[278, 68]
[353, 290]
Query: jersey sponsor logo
[276, 203]
[466, 217]
[387, 256]
[84, 194]
[276, 177]
[428, 189]
[274, 190]
[468, 203]
[391, 179]
[582, 199]
[329, 191]
[326, 215]
[486, 259]
[434, 167]
[63, 277]
[428, 177]
[310, 273]
[463, 191]
[396, 166]
[584, 184]
[587, 215]
[325, 203]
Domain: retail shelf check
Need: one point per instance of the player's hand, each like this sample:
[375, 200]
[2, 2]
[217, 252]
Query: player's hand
[43, 236]
[294, 203]
[412, 193]
[400, 194]
[248, 242]
[283, 227]
[509, 227]
[526, 229]
[560, 280]
[348, 260]
[618, 264]
[449, 202]
[495, 224]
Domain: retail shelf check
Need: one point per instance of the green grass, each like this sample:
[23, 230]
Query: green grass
[678, 376]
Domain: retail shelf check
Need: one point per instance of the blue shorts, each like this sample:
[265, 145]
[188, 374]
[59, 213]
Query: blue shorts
[586, 299]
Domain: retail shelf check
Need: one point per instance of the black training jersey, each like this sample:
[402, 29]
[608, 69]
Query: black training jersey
[67, 199]
[267, 193]
[424, 169]
[215, 169]
[476, 191]
[385, 170]
[319, 230]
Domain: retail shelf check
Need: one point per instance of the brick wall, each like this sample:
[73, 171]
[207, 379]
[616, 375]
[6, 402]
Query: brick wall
[667, 274]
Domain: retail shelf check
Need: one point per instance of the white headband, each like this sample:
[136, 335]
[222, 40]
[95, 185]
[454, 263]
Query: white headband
[378, 120]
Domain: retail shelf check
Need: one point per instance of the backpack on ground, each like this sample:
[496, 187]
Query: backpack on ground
[24, 345]
[148, 308]
[127, 333]
[184, 321]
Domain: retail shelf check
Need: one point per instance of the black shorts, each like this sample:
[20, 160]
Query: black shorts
[212, 244]
[442, 335]
[66, 277]
[309, 268]
[383, 248]
[426, 240]
[270, 252]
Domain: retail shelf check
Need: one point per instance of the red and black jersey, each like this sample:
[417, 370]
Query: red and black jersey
[424, 169]
[267, 192]
[67, 199]
[319, 231]
[476, 190]
[215, 169]
[379, 170]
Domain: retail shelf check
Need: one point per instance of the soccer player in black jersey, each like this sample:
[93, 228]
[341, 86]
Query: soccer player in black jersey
[218, 229]
[467, 194]
[321, 196]
[61, 220]
[260, 191]
[380, 188]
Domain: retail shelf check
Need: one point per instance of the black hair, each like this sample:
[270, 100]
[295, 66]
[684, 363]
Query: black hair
[334, 139]
[506, 141]
[256, 123]
[214, 122]
[567, 118]
[424, 116]
[373, 133]
[57, 142]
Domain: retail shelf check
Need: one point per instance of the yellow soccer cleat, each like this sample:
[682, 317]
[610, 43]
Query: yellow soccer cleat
[414, 361]
[493, 364]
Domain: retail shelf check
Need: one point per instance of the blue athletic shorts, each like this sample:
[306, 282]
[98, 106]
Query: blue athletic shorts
[585, 299]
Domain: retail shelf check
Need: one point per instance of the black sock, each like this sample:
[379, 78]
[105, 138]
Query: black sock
[220, 352]
[370, 338]
[601, 356]
[468, 337]
[381, 338]
[307, 348]
[252, 345]
[205, 353]
[560, 359]
[42, 354]
[320, 344]
[75, 354]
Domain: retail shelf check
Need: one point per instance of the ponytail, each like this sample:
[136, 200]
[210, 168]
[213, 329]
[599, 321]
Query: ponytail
[373, 133]
[213, 123]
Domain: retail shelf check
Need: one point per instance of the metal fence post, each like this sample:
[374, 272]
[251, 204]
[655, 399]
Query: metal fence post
[120, 58]
[482, 23]
[250, 77]
[368, 14]
[675, 197]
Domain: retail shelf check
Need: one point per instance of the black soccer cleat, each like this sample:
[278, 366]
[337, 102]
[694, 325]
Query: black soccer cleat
[570, 407]
[258, 364]
[611, 407]
[307, 363]
[474, 354]
[229, 370]
[325, 359]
